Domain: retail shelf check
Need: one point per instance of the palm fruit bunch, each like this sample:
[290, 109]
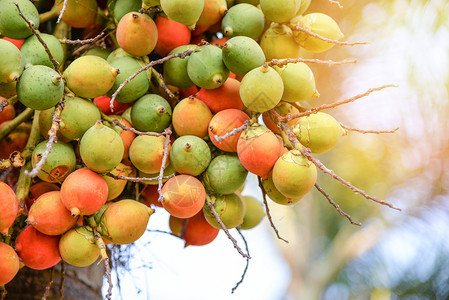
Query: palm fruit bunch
[181, 98]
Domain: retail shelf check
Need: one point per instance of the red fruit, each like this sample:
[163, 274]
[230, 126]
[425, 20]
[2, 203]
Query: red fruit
[198, 39]
[151, 195]
[224, 122]
[198, 231]
[15, 141]
[8, 113]
[198, 31]
[8, 207]
[84, 192]
[9, 263]
[171, 35]
[187, 92]
[184, 196]
[17, 43]
[137, 34]
[102, 103]
[49, 215]
[37, 190]
[220, 42]
[37, 250]
[258, 149]
[225, 97]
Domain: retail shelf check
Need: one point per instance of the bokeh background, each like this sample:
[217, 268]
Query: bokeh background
[393, 255]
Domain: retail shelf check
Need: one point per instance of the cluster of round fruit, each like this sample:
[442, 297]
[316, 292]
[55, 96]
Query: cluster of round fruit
[232, 64]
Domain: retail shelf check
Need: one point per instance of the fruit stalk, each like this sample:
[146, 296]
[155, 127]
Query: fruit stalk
[167, 133]
[25, 115]
[104, 256]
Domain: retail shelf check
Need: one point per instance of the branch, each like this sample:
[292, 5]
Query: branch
[337, 207]
[267, 210]
[247, 262]
[13, 124]
[47, 288]
[64, 6]
[83, 42]
[124, 127]
[232, 132]
[31, 26]
[104, 256]
[286, 61]
[299, 28]
[336, 2]
[138, 179]
[151, 64]
[164, 232]
[167, 133]
[217, 217]
[61, 284]
[23, 187]
[368, 131]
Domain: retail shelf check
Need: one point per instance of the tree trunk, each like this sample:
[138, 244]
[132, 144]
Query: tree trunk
[79, 283]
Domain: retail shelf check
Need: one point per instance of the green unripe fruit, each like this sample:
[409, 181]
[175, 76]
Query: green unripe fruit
[252, 2]
[11, 23]
[169, 170]
[206, 68]
[146, 153]
[186, 12]
[116, 54]
[34, 53]
[136, 88]
[278, 42]
[175, 69]
[98, 51]
[59, 163]
[101, 148]
[320, 132]
[78, 248]
[243, 19]
[11, 61]
[90, 76]
[241, 54]
[151, 113]
[303, 7]
[122, 7]
[40, 87]
[230, 209]
[254, 213]
[8, 90]
[279, 10]
[299, 82]
[190, 155]
[225, 174]
[261, 89]
[294, 175]
[275, 195]
[127, 115]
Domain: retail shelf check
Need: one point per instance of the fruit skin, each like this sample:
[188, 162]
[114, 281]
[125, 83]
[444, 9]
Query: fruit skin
[224, 122]
[319, 132]
[146, 153]
[230, 209]
[278, 42]
[282, 109]
[280, 10]
[168, 171]
[151, 195]
[254, 213]
[118, 53]
[8, 90]
[59, 164]
[77, 247]
[294, 175]
[49, 204]
[102, 103]
[125, 221]
[37, 251]
[90, 76]
[190, 155]
[212, 13]
[225, 97]
[275, 195]
[15, 141]
[225, 174]
[136, 88]
[40, 87]
[151, 113]
[175, 69]
[137, 34]
[191, 116]
[241, 54]
[11, 24]
[183, 11]
[38, 189]
[17, 43]
[261, 89]
[206, 68]
[101, 148]
[98, 51]
[243, 19]
[8, 207]
[9, 264]
[11, 61]
[303, 7]
[79, 13]
[299, 82]
[84, 192]
[198, 232]
[184, 196]
[126, 135]
[34, 53]
[122, 7]
[258, 149]
[116, 186]
[8, 113]
[171, 35]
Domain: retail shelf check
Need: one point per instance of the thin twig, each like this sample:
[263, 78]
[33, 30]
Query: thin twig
[164, 232]
[368, 131]
[337, 207]
[47, 289]
[297, 106]
[83, 42]
[52, 133]
[151, 64]
[247, 262]
[31, 26]
[314, 110]
[217, 217]
[167, 133]
[336, 2]
[124, 127]
[138, 179]
[61, 284]
[267, 210]
[64, 6]
[104, 256]
[299, 28]
[233, 131]
[286, 61]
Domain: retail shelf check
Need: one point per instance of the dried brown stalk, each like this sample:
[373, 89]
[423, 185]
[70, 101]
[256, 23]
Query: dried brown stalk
[336, 2]
[368, 131]
[64, 6]
[124, 127]
[232, 132]
[138, 179]
[286, 61]
[167, 133]
[247, 262]
[299, 28]
[47, 288]
[83, 42]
